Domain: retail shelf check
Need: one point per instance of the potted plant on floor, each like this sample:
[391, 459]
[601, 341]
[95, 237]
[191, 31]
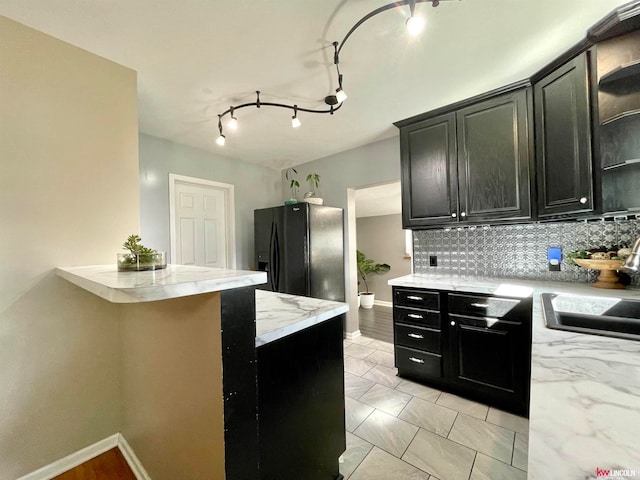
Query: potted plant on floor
[366, 267]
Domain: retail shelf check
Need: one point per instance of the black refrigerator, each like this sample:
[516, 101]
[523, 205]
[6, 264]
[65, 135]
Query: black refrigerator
[301, 247]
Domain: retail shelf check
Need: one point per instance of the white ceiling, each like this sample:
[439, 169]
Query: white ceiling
[195, 58]
[379, 200]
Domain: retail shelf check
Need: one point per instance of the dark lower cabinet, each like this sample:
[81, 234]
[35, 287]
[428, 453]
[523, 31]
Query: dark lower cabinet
[301, 423]
[490, 359]
[479, 347]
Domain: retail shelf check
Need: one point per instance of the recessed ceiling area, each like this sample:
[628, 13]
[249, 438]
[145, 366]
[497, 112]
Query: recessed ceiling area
[197, 58]
[378, 200]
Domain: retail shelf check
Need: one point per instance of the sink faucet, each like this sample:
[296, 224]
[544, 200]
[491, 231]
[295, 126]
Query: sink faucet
[632, 263]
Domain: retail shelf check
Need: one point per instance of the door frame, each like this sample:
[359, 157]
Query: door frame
[229, 196]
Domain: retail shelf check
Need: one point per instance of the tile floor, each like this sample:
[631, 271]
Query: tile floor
[401, 430]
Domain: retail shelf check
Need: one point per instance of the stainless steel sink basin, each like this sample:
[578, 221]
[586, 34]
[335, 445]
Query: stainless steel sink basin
[611, 317]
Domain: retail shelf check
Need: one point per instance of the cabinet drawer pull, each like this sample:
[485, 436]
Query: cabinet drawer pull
[415, 315]
[454, 215]
[453, 324]
[583, 200]
[414, 297]
[463, 214]
[480, 305]
[416, 360]
[414, 335]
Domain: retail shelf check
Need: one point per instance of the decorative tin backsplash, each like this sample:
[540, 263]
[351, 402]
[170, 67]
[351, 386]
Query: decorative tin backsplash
[518, 251]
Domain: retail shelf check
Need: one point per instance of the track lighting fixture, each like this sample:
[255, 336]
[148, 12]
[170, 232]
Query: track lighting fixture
[295, 121]
[334, 102]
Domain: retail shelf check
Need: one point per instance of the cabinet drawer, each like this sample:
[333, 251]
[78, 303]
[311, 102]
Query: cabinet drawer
[416, 298]
[414, 316]
[514, 309]
[416, 362]
[419, 338]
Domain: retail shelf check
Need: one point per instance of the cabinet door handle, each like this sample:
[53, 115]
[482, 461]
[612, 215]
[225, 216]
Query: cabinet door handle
[416, 360]
[454, 215]
[463, 214]
[414, 297]
[414, 335]
[480, 305]
[583, 200]
[453, 324]
[415, 315]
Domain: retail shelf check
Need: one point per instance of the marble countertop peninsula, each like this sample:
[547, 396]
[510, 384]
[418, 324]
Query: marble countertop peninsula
[585, 389]
[279, 314]
[171, 282]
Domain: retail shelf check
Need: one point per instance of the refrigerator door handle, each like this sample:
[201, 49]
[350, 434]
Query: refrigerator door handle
[275, 262]
[272, 265]
[274, 258]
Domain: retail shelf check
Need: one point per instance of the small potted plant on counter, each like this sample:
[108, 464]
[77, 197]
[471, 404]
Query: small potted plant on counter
[366, 267]
[140, 258]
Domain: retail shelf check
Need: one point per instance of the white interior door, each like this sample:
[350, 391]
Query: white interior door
[201, 226]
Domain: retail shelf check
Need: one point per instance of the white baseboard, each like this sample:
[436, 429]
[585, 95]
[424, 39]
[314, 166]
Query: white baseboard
[382, 303]
[70, 461]
[352, 335]
[77, 458]
[132, 460]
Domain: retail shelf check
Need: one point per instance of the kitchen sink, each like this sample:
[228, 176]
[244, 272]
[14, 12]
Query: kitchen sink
[611, 317]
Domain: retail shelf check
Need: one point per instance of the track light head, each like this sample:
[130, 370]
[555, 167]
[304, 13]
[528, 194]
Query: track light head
[341, 96]
[221, 140]
[295, 121]
[415, 25]
[233, 121]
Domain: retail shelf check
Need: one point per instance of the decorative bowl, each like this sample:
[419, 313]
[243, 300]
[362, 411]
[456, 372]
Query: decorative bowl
[128, 262]
[608, 277]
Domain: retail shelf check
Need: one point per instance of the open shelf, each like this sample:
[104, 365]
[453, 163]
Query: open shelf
[620, 73]
[622, 164]
[620, 116]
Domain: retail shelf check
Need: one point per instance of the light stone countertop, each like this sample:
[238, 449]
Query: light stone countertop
[174, 281]
[279, 314]
[585, 389]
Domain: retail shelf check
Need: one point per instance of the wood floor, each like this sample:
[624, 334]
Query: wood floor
[108, 466]
[376, 322]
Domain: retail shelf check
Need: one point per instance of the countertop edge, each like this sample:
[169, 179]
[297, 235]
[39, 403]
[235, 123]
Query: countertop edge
[174, 283]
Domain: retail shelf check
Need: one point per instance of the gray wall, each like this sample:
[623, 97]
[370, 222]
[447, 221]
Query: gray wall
[255, 187]
[372, 164]
[383, 240]
[364, 166]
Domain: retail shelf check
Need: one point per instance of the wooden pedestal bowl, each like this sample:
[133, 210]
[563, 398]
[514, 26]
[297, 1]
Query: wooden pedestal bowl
[608, 277]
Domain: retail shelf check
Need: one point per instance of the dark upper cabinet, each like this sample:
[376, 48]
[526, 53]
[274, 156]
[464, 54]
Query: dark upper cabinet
[493, 158]
[563, 140]
[429, 172]
[471, 164]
